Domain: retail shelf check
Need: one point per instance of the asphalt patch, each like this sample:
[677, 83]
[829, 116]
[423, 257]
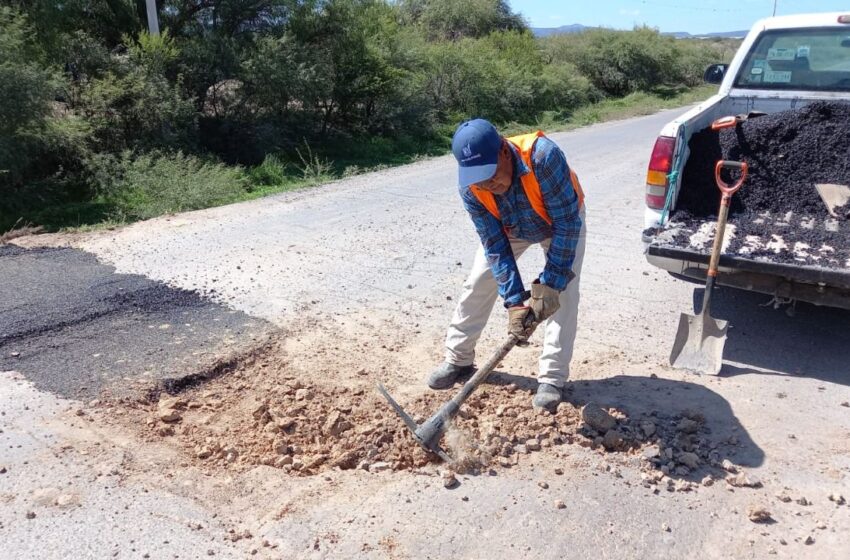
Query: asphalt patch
[788, 153]
[74, 327]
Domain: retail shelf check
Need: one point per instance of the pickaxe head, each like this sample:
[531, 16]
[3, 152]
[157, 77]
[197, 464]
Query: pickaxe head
[427, 434]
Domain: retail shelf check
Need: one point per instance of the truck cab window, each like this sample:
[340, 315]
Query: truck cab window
[798, 59]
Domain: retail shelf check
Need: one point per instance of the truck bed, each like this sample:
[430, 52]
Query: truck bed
[791, 264]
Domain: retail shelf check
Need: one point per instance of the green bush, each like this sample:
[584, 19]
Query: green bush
[271, 172]
[142, 186]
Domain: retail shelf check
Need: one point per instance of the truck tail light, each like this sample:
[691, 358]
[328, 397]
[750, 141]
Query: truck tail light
[660, 165]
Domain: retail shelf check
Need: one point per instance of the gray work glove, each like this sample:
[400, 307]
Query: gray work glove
[544, 301]
[521, 323]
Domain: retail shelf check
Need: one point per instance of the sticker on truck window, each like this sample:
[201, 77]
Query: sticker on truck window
[759, 63]
[756, 71]
[781, 54]
[803, 51]
[776, 77]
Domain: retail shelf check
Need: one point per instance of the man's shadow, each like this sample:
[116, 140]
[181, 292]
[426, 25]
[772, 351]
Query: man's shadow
[664, 402]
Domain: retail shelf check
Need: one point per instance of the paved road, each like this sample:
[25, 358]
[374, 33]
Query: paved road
[397, 244]
[76, 328]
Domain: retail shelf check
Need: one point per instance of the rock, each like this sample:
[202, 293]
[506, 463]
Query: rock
[803, 501]
[707, 480]
[80, 412]
[336, 424]
[317, 461]
[758, 514]
[559, 504]
[171, 403]
[820, 525]
[449, 479]
[379, 466]
[505, 461]
[203, 452]
[596, 418]
[30, 515]
[613, 440]
[690, 460]
[169, 416]
[834, 497]
[729, 466]
[543, 485]
[165, 431]
[647, 427]
[651, 452]
[303, 394]
[260, 411]
[665, 527]
[347, 460]
[281, 462]
[559, 471]
[533, 444]
[3, 470]
[688, 426]
[846, 404]
[521, 448]
[743, 481]
[809, 540]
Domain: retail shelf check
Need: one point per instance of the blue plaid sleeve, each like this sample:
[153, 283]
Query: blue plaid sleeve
[497, 248]
[562, 205]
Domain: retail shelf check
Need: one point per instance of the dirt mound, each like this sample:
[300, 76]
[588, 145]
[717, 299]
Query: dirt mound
[305, 429]
[788, 153]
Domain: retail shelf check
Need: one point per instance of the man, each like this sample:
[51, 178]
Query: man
[518, 191]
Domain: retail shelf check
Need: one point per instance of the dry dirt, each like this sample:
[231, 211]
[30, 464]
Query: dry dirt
[273, 410]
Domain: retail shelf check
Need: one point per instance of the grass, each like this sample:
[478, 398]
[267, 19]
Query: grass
[341, 160]
[309, 166]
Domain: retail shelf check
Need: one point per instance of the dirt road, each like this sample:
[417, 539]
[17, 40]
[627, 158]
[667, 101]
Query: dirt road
[360, 278]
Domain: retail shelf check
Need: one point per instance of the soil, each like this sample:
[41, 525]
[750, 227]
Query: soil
[268, 412]
[788, 153]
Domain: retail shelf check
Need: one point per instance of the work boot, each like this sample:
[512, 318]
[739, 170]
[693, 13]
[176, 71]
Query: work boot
[446, 374]
[548, 396]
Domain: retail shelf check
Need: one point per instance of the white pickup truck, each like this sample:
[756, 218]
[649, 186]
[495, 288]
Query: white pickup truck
[753, 82]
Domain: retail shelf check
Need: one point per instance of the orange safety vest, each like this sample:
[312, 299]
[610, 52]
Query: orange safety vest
[524, 144]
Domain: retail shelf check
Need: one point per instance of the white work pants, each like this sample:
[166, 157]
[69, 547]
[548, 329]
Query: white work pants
[480, 292]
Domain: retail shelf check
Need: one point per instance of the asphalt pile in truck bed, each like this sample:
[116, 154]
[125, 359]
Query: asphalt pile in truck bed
[788, 153]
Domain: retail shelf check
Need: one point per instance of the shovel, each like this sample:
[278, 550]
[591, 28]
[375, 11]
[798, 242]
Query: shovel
[700, 339]
[836, 198]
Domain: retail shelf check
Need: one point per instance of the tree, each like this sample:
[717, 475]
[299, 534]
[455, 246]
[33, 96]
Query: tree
[453, 20]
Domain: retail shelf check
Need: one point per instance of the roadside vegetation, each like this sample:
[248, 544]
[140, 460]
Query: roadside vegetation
[101, 122]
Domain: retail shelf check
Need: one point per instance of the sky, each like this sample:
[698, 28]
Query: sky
[693, 16]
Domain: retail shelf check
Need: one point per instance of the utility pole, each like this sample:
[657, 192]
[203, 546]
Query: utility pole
[774, 6]
[153, 19]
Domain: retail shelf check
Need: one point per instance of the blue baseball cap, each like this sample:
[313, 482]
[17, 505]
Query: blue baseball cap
[476, 146]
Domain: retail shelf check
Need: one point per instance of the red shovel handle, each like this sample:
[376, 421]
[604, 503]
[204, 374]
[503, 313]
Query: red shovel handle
[725, 122]
[725, 188]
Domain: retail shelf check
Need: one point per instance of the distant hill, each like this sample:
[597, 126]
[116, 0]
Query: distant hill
[546, 31]
[578, 28]
[724, 34]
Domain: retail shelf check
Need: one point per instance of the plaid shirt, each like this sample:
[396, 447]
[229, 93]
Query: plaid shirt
[522, 222]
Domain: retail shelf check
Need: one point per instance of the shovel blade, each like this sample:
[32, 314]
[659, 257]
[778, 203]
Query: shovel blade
[835, 197]
[699, 343]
